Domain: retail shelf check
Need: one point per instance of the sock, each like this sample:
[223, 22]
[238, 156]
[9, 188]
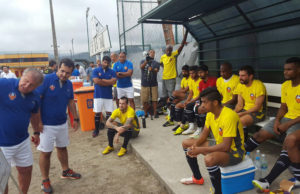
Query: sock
[172, 112]
[107, 116]
[178, 114]
[97, 121]
[215, 177]
[127, 136]
[295, 167]
[193, 163]
[245, 133]
[110, 135]
[281, 165]
[191, 127]
[251, 144]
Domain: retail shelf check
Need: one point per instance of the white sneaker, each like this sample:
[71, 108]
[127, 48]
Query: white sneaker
[263, 186]
[187, 181]
[196, 133]
[189, 130]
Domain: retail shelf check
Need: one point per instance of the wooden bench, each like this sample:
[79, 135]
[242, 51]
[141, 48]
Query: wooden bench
[274, 101]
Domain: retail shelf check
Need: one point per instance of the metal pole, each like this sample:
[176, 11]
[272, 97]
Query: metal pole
[118, 15]
[125, 47]
[87, 28]
[53, 33]
[142, 25]
[73, 46]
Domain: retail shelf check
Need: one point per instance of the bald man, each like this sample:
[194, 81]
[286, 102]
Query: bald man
[19, 104]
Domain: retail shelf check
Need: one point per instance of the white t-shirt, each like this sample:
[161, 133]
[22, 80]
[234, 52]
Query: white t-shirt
[8, 75]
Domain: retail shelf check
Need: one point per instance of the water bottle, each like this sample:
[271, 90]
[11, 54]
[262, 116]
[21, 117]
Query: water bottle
[144, 121]
[257, 163]
[263, 166]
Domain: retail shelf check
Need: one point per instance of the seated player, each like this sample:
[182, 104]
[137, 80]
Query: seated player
[228, 133]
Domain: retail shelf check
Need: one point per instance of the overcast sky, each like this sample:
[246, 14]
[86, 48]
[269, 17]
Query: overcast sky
[25, 25]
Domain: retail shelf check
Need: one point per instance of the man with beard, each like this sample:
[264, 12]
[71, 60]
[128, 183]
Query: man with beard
[128, 126]
[56, 95]
[251, 105]
[124, 71]
[287, 122]
[104, 79]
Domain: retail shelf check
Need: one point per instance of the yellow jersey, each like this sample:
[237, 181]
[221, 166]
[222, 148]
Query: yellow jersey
[130, 113]
[169, 65]
[291, 97]
[227, 125]
[185, 82]
[194, 86]
[226, 88]
[112, 66]
[249, 94]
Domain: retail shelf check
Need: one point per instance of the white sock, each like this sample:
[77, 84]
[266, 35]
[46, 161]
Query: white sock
[199, 129]
[191, 127]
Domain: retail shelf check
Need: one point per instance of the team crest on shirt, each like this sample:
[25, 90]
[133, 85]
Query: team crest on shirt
[298, 98]
[170, 59]
[228, 89]
[52, 87]
[125, 67]
[252, 96]
[220, 131]
[99, 74]
[12, 96]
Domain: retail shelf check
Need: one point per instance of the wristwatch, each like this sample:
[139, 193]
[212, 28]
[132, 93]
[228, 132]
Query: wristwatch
[36, 133]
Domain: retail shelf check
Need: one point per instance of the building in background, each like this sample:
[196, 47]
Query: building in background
[19, 62]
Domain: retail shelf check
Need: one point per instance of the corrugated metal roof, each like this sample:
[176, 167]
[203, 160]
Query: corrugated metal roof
[210, 19]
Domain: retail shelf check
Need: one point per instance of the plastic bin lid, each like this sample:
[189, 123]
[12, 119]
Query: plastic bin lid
[84, 89]
[244, 167]
[76, 80]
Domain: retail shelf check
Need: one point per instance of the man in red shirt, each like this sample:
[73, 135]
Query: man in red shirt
[206, 81]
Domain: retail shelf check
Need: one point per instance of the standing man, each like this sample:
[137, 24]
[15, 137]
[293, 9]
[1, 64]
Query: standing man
[89, 72]
[228, 132]
[52, 67]
[7, 73]
[128, 127]
[251, 104]
[81, 71]
[124, 70]
[168, 62]
[114, 58]
[104, 78]
[226, 84]
[19, 104]
[98, 63]
[56, 95]
[149, 68]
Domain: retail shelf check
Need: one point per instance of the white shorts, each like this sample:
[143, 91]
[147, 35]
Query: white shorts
[19, 155]
[128, 92]
[54, 135]
[100, 103]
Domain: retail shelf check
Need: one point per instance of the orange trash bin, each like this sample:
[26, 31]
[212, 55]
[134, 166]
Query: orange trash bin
[85, 104]
[77, 83]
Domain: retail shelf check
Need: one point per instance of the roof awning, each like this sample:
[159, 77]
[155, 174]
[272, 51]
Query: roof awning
[212, 19]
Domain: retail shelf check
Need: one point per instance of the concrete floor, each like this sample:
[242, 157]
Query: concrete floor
[162, 153]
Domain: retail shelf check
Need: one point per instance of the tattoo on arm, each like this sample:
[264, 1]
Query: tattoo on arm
[128, 123]
[110, 123]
